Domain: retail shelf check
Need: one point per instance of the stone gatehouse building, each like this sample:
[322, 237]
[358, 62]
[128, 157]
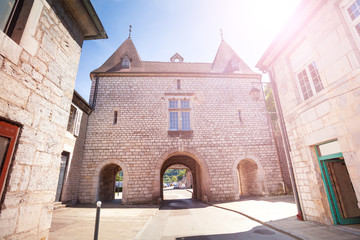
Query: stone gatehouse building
[148, 116]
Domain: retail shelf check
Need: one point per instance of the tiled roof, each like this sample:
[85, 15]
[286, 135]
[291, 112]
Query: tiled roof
[226, 61]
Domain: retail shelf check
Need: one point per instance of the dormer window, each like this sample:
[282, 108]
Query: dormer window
[125, 62]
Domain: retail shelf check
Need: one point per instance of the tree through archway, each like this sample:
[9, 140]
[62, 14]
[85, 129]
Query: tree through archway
[193, 167]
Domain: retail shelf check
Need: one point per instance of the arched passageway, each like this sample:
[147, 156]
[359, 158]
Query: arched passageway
[194, 168]
[177, 182]
[251, 179]
[107, 182]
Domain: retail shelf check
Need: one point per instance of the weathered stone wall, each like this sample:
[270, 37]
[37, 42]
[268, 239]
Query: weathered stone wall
[139, 142]
[333, 113]
[37, 80]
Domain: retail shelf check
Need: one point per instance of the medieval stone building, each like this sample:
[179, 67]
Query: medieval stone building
[40, 46]
[314, 65]
[148, 116]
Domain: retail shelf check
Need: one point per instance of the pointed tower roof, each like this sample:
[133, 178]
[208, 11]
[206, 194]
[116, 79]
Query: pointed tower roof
[113, 63]
[227, 61]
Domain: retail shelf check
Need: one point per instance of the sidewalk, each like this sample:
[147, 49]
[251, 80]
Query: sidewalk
[116, 221]
[280, 213]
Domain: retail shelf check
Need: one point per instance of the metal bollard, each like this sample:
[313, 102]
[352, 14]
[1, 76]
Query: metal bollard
[98, 207]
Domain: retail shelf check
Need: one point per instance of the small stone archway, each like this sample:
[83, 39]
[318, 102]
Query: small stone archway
[250, 177]
[104, 180]
[191, 159]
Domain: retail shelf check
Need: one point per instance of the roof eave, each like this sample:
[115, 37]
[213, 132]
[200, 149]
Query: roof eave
[85, 15]
[183, 74]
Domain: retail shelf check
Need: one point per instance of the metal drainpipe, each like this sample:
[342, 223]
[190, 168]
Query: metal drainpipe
[268, 116]
[285, 142]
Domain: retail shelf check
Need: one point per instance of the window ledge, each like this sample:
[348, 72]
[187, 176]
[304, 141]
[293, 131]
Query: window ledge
[181, 134]
[9, 48]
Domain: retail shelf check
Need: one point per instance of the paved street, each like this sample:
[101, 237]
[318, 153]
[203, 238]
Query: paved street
[184, 218]
[180, 217]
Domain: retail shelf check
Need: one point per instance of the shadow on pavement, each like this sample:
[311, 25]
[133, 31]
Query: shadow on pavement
[258, 232]
[177, 204]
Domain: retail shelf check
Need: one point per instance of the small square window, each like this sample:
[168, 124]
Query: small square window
[173, 104]
[185, 104]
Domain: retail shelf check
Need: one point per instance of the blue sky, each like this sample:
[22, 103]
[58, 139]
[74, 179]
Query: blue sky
[191, 28]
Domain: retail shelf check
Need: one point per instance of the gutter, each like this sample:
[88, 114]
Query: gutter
[285, 140]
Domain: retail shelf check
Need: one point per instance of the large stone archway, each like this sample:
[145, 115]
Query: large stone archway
[191, 159]
[104, 178]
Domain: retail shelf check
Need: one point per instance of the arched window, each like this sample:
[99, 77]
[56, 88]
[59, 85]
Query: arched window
[125, 62]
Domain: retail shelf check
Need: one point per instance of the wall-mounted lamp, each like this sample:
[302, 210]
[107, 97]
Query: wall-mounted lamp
[254, 93]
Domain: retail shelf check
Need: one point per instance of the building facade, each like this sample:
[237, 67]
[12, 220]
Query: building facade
[148, 116]
[314, 66]
[71, 157]
[40, 46]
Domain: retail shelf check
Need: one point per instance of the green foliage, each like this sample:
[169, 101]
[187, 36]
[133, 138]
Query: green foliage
[119, 176]
[174, 175]
[270, 102]
[167, 179]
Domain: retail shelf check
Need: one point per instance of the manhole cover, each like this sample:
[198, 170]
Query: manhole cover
[264, 232]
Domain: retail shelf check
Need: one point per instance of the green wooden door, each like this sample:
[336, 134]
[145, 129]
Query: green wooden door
[339, 189]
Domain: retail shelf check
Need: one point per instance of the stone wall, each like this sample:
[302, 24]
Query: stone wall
[140, 142]
[37, 80]
[333, 113]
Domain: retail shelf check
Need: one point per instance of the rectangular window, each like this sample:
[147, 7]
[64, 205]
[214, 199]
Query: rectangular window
[72, 117]
[239, 112]
[174, 121]
[13, 17]
[8, 137]
[115, 117]
[178, 84]
[74, 122]
[6, 9]
[351, 11]
[179, 118]
[312, 85]
[185, 121]
[354, 10]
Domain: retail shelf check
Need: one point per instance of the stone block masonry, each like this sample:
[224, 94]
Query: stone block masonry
[140, 141]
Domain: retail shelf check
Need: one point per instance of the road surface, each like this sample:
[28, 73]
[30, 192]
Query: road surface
[182, 218]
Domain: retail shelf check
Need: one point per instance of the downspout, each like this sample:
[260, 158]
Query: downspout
[272, 133]
[285, 141]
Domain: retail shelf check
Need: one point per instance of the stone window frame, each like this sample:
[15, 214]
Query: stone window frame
[179, 108]
[354, 24]
[10, 132]
[74, 121]
[309, 81]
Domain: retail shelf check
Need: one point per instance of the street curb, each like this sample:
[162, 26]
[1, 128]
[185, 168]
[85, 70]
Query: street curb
[283, 231]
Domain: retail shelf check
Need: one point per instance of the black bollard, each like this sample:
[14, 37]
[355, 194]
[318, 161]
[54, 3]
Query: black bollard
[98, 207]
